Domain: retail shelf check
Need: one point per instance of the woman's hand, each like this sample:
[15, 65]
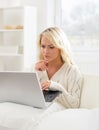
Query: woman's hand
[46, 84]
[41, 65]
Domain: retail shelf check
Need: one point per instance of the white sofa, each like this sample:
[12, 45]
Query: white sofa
[16, 117]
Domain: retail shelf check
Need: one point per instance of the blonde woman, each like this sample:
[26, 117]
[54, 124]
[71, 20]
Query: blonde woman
[57, 71]
[56, 68]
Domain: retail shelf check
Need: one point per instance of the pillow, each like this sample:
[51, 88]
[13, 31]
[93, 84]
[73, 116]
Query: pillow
[71, 119]
[16, 116]
[90, 92]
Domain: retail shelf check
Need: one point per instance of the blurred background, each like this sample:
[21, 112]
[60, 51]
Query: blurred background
[79, 19]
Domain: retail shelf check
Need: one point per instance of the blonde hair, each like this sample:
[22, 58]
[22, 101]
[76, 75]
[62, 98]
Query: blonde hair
[59, 40]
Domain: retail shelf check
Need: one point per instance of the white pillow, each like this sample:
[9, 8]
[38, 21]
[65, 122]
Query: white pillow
[71, 119]
[16, 116]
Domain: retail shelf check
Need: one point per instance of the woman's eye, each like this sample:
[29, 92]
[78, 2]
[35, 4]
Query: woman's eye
[52, 47]
[42, 46]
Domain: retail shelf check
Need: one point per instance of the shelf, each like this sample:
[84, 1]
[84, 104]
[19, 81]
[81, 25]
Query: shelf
[11, 30]
[13, 7]
[7, 55]
[18, 32]
[11, 63]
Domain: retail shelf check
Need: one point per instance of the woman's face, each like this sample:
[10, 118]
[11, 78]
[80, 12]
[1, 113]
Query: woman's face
[48, 50]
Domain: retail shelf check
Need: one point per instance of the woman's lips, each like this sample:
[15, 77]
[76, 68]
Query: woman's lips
[46, 57]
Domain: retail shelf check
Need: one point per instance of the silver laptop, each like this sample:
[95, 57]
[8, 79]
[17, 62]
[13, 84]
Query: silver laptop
[23, 88]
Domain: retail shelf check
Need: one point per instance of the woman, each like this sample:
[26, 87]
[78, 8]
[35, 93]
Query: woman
[56, 69]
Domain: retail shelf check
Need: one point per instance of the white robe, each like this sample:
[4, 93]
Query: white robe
[68, 79]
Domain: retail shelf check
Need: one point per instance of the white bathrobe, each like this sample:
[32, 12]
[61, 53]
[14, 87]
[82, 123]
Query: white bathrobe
[68, 79]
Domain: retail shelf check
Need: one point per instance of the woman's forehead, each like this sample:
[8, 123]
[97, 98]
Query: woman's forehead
[44, 40]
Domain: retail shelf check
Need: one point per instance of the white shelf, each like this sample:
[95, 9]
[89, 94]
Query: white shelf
[11, 30]
[8, 55]
[18, 31]
[14, 7]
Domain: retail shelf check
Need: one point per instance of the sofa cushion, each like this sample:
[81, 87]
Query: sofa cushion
[90, 92]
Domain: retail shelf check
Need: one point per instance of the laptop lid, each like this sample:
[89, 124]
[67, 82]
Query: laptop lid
[21, 87]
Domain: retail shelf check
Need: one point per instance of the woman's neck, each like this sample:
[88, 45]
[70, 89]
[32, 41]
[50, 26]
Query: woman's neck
[55, 63]
[53, 67]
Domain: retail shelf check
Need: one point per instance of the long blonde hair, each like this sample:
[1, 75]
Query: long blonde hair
[59, 40]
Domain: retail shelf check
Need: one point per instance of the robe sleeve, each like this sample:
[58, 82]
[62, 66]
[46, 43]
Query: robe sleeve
[70, 97]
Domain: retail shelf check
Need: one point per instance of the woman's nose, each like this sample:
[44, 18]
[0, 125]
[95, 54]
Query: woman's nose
[46, 50]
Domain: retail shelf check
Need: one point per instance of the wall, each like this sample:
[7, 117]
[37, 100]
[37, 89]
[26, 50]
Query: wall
[88, 62]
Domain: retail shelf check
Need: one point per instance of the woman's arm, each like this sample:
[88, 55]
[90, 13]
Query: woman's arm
[70, 97]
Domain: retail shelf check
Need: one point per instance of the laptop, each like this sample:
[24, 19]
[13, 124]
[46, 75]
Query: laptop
[24, 88]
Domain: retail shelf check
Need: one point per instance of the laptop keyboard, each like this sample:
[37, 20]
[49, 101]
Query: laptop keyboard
[50, 95]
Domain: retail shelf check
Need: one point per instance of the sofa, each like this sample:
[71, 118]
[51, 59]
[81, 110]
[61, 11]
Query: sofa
[20, 117]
